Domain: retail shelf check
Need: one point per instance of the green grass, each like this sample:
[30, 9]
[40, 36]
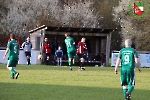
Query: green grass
[39, 82]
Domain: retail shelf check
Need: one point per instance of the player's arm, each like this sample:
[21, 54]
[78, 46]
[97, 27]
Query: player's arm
[138, 64]
[18, 51]
[117, 64]
[7, 49]
[6, 52]
[23, 45]
[137, 61]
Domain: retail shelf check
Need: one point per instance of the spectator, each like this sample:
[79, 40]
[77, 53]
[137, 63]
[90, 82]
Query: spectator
[59, 55]
[27, 46]
[47, 51]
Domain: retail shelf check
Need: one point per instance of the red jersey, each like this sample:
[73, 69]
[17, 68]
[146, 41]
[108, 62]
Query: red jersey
[81, 47]
[46, 48]
[16, 40]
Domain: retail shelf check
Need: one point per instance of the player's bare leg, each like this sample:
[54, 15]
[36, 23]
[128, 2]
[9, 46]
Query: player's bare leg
[14, 73]
[70, 63]
[73, 61]
[126, 94]
[82, 63]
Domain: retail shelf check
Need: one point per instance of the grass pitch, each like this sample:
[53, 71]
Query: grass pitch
[40, 82]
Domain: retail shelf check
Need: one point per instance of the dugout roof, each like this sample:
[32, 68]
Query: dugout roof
[73, 29]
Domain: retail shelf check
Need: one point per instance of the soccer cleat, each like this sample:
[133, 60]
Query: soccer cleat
[82, 69]
[128, 96]
[29, 63]
[16, 76]
[71, 69]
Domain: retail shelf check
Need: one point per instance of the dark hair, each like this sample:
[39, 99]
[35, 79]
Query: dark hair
[12, 36]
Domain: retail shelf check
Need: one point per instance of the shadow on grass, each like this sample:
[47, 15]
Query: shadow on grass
[12, 91]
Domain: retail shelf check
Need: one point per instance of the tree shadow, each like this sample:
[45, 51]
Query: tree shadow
[16, 91]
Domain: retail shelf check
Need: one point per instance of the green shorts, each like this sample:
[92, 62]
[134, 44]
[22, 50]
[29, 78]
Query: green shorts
[127, 77]
[71, 53]
[12, 63]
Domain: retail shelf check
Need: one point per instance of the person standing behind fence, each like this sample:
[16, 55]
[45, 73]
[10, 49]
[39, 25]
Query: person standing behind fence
[13, 55]
[59, 55]
[47, 51]
[27, 46]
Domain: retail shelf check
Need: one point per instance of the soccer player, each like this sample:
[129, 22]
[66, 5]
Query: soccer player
[13, 53]
[71, 51]
[17, 41]
[59, 55]
[128, 57]
[27, 46]
[82, 53]
[47, 51]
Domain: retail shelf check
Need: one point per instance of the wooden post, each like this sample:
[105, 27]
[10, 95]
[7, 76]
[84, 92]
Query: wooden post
[108, 48]
[41, 43]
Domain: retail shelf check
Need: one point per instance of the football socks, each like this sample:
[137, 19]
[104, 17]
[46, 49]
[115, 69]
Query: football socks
[124, 93]
[131, 88]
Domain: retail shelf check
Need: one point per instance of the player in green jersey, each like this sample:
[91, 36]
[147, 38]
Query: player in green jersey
[128, 57]
[13, 54]
[71, 51]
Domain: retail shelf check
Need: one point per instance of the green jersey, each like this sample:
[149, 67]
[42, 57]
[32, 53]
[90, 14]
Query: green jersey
[127, 56]
[69, 43]
[13, 50]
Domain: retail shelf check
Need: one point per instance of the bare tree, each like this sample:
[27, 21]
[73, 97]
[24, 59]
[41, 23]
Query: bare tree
[24, 15]
[20, 16]
[138, 29]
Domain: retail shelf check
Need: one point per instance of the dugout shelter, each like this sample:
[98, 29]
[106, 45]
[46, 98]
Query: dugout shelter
[98, 40]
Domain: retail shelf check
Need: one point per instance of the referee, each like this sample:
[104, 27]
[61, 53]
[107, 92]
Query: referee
[27, 46]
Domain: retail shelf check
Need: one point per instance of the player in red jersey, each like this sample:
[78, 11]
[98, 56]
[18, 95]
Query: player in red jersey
[82, 53]
[47, 51]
